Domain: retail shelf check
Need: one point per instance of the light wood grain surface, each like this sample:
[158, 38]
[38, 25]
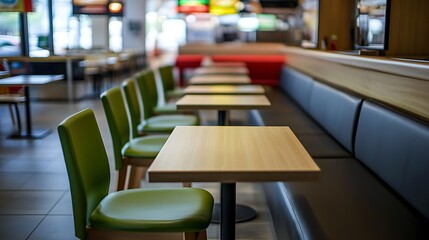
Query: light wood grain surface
[232, 154]
[222, 102]
[231, 48]
[220, 79]
[221, 70]
[224, 89]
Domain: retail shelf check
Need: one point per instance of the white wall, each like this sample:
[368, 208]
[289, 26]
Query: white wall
[134, 11]
[100, 32]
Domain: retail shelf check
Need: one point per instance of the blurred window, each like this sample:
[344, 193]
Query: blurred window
[64, 35]
[115, 34]
[9, 34]
[38, 29]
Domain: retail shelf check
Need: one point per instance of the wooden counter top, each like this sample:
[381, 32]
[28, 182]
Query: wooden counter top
[233, 49]
[391, 65]
[398, 83]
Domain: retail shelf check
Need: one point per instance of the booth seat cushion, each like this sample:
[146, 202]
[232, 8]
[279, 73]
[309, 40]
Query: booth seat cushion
[335, 111]
[322, 146]
[285, 112]
[297, 85]
[396, 148]
[347, 202]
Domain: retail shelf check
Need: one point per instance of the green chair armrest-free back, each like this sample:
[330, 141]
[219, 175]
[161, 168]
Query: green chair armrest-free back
[136, 211]
[141, 124]
[149, 94]
[138, 152]
[167, 77]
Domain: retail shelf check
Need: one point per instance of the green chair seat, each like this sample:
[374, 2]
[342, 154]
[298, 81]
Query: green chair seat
[147, 147]
[154, 210]
[166, 123]
[175, 93]
[168, 108]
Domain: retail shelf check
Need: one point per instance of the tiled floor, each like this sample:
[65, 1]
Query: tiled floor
[34, 190]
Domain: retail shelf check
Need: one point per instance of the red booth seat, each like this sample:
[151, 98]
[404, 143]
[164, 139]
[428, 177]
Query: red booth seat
[263, 69]
[187, 61]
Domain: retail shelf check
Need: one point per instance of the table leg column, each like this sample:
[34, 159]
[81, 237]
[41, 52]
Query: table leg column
[223, 118]
[28, 111]
[227, 223]
[30, 132]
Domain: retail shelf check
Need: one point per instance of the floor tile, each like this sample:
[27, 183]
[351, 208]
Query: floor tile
[48, 229]
[47, 181]
[18, 227]
[56, 166]
[24, 165]
[14, 180]
[64, 205]
[28, 202]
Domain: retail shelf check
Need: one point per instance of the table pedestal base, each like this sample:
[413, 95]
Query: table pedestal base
[243, 213]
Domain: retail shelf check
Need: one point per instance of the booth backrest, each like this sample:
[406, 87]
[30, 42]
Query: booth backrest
[396, 148]
[263, 69]
[336, 111]
[297, 85]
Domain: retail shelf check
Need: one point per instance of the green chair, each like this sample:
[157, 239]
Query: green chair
[128, 214]
[137, 152]
[146, 83]
[144, 122]
[166, 74]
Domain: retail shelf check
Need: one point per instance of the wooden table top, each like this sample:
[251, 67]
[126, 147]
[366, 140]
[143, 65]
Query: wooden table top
[224, 89]
[232, 154]
[26, 80]
[221, 70]
[222, 102]
[220, 79]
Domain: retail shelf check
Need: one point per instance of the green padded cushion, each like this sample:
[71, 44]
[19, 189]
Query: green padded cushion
[154, 210]
[175, 93]
[166, 123]
[144, 147]
[168, 108]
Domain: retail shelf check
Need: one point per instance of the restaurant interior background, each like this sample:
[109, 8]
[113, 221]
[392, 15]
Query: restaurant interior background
[160, 24]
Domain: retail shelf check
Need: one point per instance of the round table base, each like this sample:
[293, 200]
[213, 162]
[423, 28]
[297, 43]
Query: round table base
[243, 213]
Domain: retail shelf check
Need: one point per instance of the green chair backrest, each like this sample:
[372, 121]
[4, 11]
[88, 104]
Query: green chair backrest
[117, 119]
[147, 85]
[167, 77]
[87, 165]
[132, 100]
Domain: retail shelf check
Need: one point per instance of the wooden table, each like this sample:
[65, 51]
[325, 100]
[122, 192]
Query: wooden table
[222, 103]
[224, 89]
[26, 81]
[229, 155]
[221, 70]
[221, 79]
